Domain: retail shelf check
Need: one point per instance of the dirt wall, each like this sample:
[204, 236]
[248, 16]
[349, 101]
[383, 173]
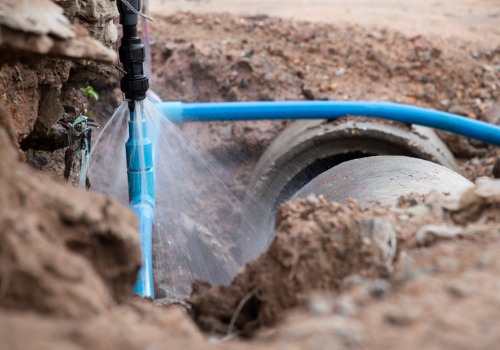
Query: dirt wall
[46, 65]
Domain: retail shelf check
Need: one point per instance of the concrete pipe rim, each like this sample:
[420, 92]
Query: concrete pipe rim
[305, 143]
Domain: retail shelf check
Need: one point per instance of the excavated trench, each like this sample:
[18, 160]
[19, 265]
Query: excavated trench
[333, 275]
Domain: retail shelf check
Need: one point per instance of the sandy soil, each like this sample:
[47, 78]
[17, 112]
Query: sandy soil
[475, 20]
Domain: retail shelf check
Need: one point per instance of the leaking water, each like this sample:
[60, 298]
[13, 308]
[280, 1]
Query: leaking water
[202, 230]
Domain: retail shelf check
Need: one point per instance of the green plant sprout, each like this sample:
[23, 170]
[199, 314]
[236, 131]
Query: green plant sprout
[90, 93]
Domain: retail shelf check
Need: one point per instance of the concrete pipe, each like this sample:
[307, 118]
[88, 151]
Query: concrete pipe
[306, 149]
[384, 179]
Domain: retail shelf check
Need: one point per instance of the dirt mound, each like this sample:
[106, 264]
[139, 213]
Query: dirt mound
[441, 297]
[316, 246]
[319, 244]
[219, 57]
[64, 251]
[136, 325]
[275, 59]
[68, 262]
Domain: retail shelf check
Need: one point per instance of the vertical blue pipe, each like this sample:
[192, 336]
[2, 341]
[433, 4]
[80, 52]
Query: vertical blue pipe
[139, 150]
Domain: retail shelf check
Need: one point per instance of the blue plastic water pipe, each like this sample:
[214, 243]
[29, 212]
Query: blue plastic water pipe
[273, 110]
[139, 153]
[139, 148]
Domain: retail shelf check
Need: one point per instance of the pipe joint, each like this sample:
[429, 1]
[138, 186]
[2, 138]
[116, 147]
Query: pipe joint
[132, 53]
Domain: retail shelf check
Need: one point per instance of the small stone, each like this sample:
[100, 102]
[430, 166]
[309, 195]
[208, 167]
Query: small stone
[320, 305]
[379, 288]
[460, 289]
[308, 94]
[168, 50]
[475, 54]
[418, 210]
[226, 132]
[496, 169]
[345, 306]
[258, 17]
[233, 94]
[456, 109]
[340, 72]
[243, 65]
[313, 199]
[401, 316]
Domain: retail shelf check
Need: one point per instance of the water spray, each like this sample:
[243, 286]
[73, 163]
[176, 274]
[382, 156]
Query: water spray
[141, 143]
[139, 148]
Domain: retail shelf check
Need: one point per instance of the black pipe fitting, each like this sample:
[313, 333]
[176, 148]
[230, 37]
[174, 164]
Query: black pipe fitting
[134, 83]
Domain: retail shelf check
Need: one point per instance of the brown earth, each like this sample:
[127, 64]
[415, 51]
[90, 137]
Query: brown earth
[63, 252]
[474, 20]
[227, 58]
[336, 276]
[320, 246]
[51, 52]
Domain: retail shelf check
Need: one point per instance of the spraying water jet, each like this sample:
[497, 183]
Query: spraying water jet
[139, 148]
[204, 254]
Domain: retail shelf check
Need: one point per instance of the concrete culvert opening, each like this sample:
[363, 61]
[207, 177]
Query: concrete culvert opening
[306, 149]
[313, 170]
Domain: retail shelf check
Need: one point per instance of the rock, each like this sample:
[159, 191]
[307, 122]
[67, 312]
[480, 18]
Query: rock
[340, 72]
[401, 316]
[39, 17]
[52, 109]
[168, 50]
[460, 289]
[39, 26]
[243, 65]
[307, 93]
[345, 306]
[379, 288]
[320, 305]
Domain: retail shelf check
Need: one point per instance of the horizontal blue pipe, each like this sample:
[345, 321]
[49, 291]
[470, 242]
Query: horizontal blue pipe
[274, 110]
